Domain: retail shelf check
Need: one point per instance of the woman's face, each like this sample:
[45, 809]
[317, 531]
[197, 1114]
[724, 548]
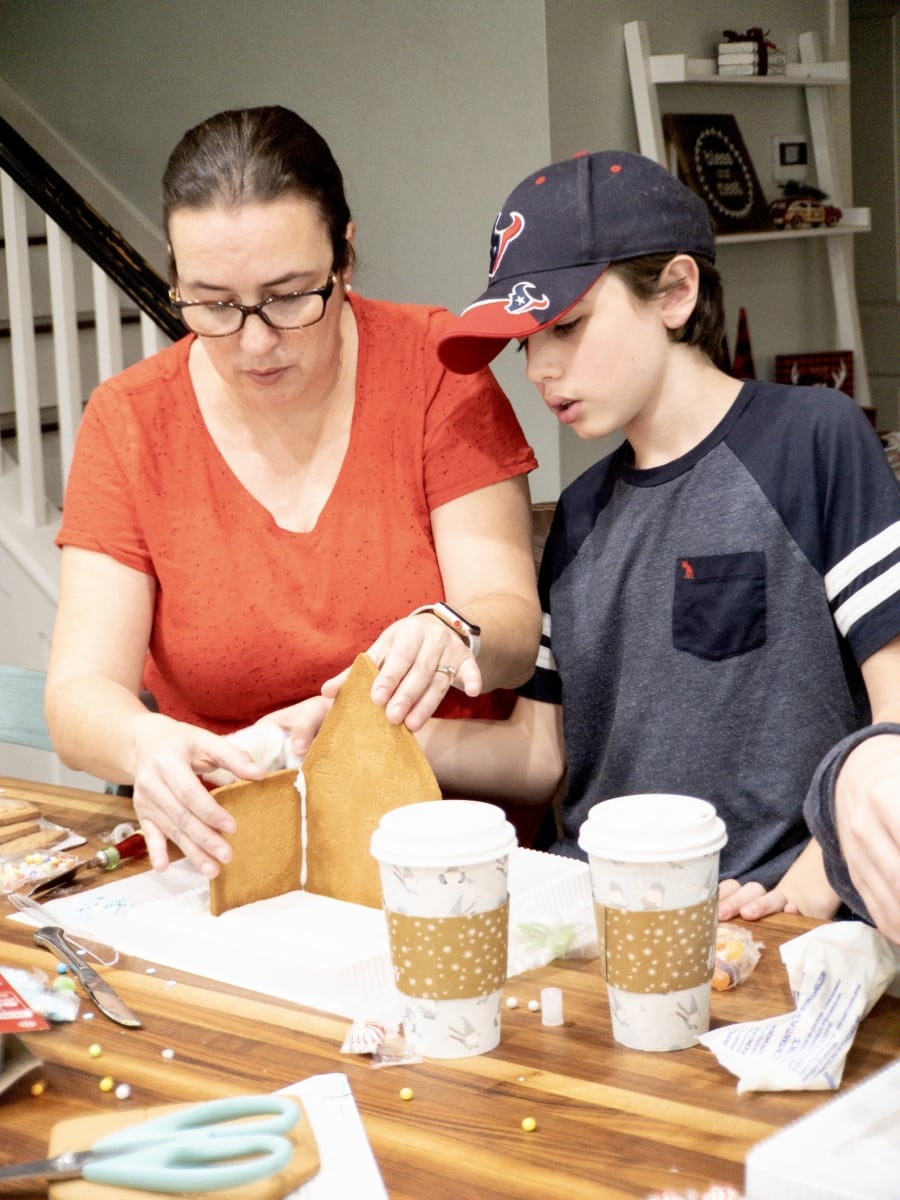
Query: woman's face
[250, 254]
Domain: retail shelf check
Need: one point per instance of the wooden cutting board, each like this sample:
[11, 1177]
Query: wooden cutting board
[79, 1133]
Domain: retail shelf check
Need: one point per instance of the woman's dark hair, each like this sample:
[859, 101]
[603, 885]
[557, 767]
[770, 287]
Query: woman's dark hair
[253, 155]
[705, 328]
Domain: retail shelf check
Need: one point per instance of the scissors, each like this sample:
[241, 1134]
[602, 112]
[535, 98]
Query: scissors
[192, 1150]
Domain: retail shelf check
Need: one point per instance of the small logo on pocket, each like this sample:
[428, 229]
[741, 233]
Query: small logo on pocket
[687, 568]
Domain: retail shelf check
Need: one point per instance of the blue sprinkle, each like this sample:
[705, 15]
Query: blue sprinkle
[61, 968]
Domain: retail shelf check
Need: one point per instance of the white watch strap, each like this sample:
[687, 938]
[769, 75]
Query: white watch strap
[465, 630]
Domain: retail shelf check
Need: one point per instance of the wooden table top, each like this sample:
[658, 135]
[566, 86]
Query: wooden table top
[611, 1122]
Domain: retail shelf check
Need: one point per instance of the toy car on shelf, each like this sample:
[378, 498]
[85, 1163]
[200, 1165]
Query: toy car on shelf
[802, 212]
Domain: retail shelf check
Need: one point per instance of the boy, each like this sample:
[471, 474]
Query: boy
[721, 594]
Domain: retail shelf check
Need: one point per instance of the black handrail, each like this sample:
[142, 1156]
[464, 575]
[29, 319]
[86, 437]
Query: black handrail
[87, 229]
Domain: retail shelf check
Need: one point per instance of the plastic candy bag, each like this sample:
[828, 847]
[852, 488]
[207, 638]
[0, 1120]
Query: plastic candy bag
[737, 953]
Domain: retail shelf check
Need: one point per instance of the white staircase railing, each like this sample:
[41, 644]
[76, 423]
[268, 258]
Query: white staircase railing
[76, 367]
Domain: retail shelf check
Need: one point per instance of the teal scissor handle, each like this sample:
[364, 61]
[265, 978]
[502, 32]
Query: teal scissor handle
[193, 1149]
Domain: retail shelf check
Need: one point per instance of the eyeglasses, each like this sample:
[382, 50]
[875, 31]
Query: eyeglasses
[220, 318]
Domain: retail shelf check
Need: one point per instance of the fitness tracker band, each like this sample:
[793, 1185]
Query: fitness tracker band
[470, 634]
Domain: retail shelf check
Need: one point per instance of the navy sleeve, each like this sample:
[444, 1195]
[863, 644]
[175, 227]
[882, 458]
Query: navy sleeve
[824, 469]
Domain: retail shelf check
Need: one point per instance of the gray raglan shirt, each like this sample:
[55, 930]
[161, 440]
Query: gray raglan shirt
[704, 621]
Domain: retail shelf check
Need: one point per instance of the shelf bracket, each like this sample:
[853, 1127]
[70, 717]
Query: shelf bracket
[643, 93]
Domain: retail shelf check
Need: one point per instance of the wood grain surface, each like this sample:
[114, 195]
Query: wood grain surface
[611, 1122]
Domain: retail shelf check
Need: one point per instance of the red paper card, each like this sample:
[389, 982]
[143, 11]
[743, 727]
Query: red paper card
[15, 1015]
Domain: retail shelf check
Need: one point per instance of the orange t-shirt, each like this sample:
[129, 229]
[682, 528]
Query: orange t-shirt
[250, 617]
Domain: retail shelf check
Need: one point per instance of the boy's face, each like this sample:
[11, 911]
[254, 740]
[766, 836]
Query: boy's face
[602, 367]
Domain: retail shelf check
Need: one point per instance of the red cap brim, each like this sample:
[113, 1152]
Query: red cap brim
[485, 327]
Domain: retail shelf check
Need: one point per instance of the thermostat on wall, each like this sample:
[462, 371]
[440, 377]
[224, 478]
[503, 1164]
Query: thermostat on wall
[790, 158]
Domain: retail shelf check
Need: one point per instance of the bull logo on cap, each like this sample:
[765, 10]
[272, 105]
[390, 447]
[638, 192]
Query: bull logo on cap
[501, 239]
[520, 300]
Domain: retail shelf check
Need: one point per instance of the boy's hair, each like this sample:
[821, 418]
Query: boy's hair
[705, 328]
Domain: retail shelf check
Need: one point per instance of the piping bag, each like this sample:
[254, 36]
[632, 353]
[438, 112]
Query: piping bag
[106, 859]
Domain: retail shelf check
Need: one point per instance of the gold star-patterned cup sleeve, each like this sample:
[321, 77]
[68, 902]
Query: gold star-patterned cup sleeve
[657, 951]
[449, 958]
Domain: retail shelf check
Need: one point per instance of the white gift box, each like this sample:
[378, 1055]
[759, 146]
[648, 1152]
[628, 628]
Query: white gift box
[300, 947]
[849, 1149]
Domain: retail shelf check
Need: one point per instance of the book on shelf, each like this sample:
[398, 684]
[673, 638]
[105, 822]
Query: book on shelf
[708, 153]
[750, 58]
[751, 64]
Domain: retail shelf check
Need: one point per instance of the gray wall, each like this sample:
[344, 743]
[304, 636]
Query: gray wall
[875, 59]
[434, 108]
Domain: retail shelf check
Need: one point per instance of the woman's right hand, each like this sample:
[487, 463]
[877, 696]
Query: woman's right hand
[171, 802]
[170, 799]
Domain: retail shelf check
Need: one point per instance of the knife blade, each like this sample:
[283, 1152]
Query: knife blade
[107, 999]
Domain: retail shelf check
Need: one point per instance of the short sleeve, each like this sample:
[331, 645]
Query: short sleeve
[99, 509]
[472, 436]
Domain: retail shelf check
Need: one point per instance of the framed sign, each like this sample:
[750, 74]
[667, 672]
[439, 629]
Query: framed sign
[707, 152]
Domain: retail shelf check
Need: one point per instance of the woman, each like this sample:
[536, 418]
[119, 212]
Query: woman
[253, 506]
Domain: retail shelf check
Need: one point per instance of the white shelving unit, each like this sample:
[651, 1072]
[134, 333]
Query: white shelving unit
[649, 71]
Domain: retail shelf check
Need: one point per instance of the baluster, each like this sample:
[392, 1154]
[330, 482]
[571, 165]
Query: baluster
[152, 337]
[66, 354]
[109, 324]
[24, 362]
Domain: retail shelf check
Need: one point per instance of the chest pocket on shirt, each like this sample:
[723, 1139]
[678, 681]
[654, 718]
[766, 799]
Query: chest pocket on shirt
[719, 604]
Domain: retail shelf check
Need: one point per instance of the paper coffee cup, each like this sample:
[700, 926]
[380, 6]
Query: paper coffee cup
[444, 871]
[654, 862]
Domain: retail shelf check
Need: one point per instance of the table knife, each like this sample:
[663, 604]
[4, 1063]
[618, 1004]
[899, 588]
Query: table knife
[103, 994]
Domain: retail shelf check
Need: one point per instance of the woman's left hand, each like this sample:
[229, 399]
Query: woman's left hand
[419, 660]
[484, 550]
[751, 901]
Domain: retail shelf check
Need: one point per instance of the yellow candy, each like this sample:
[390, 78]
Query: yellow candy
[107, 1083]
[37, 1089]
[94, 1050]
[732, 951]
[406, 1093]
[529, 1124]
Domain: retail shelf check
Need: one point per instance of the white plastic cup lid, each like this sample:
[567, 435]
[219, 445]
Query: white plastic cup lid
[653, 827]
[441, 833]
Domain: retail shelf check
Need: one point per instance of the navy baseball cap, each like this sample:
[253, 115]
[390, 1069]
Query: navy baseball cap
[559, 231]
